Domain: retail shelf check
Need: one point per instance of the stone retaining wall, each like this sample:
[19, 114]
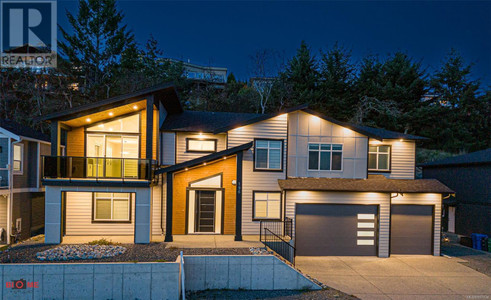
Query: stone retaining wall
[92, 281]
[248, 272]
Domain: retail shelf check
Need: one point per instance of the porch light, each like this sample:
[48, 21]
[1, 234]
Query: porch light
[204, 164]
[224, 157]
[111, 114]
[201, 134]
[88, 120]
[135, 107]
[401, 140]
[186, 169]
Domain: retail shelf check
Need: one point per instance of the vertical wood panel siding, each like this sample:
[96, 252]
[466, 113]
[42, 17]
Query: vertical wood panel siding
[305, 128]
[403, 158]
[79, 217]
[168, 148]
[381, 199]
[183, 156]
[274, 128]
[155, 139]
[181, 182]
[156, 208]
[143, 133]
[75, 142]
[426, 199]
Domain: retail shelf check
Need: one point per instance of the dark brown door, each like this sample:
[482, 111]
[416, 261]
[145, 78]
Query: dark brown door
[330, 229]
[411, 229]
[205, 211]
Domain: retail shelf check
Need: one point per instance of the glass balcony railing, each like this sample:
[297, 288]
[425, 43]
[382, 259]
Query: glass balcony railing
[71, 167]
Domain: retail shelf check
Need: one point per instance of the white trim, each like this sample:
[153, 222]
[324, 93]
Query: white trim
[377, 154]
[21, 171]
[33, 140]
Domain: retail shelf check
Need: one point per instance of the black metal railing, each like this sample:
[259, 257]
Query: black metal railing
[278, 245]
[72, 167]
[281, 228]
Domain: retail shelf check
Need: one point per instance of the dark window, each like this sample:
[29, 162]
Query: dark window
[379, 158]
[325, 157]
[268, 154]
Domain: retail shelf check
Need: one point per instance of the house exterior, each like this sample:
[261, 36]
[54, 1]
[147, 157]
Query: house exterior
[140, 165]
[21, 193]
[469, 175]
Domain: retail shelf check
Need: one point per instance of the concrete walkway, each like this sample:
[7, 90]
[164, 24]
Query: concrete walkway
[213, 241]
[398, 277]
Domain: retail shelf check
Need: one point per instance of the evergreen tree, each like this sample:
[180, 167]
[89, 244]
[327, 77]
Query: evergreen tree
[95, 47]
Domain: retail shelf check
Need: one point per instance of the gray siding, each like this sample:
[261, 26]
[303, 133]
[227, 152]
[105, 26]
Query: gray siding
[168, 148]
[304, 128]
[381, 199]
[402, 160]
[183, 156]
[274, 128]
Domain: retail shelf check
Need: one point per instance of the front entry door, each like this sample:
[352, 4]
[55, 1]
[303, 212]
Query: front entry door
[205, 211]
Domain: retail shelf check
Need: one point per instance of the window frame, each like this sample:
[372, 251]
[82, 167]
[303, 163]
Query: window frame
[255, 169]
[94, 199]
[198, 139]
[319, 157]
[377, 153]
[21, 171]
[254, 218]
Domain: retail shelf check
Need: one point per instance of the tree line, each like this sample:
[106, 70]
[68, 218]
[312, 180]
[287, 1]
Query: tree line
[99, 58]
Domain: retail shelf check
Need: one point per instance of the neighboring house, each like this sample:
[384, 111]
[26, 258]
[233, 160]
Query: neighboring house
[469, 175]
[139, 165]
[204, 74]
[21, 194]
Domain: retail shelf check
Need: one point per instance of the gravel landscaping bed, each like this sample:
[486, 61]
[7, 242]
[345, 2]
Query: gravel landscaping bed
[79, 252]
[249, 295]
[134, 253]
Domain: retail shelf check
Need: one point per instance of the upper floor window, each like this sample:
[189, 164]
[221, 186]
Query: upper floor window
[379, 158]
[325, 157]
[130, 124]
[268, 155]
[18, 158]
[201, 145]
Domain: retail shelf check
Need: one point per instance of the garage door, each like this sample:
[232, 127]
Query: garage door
[411, 229]
[329, 229]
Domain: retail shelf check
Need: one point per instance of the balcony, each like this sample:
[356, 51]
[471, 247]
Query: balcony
[97, 168]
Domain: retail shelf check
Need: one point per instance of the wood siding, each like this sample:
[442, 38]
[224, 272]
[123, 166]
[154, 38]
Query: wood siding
[274, 128]
[168, 151]
[304, 128]
[79, 217]
[426, 199]
[402, 160]
[183, 155]
[75, 142]
[381, 199]
[181, 182]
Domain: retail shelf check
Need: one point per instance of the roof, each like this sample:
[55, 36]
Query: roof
[204, 121]
[206, 158]
[165, 93]
[22, 130]
[376, 133]
[371, 184]
[478, 157]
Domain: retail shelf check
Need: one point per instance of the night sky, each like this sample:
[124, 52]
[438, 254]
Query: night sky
[225, 33]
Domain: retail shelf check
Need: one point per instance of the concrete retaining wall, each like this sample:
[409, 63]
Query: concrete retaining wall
[93, 281]
[249, 272]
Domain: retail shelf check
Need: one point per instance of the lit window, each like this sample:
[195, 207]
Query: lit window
[130, 124]
[268, 155]
[379, 158]
[112, 207]
[267, 205]
[201, 145]
[325, 157]
[18, 154]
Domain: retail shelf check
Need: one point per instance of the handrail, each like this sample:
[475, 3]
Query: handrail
[279, 245]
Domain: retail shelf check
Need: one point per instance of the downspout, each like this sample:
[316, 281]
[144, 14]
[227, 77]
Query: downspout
[11, 188]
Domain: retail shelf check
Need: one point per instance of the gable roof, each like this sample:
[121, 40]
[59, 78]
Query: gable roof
[371, 184]
[22, 130]
[165, 93]
[478, 157]
[202, 159]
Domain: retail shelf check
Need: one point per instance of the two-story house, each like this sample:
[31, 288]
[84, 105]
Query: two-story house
[140, 165]
[21, 193]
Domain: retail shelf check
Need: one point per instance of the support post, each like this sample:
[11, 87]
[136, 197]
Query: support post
[238, 198]
[168, 212]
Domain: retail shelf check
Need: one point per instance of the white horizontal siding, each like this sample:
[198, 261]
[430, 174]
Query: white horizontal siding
[183, 156]
[156, 210]
[304, 128]
[79, 217]
[426, 199]
[168, 148]
[402, 160]
[3, 212]
[274, 128]
[381, 199]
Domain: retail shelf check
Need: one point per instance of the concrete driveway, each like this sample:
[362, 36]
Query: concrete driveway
[398, 277]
